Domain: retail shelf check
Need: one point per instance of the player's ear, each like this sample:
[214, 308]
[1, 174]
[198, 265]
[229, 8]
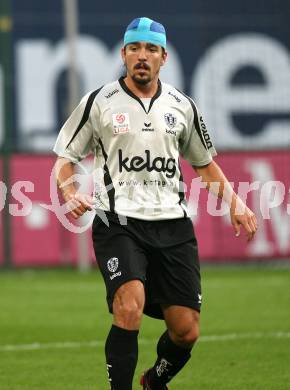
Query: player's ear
[164, 57]
[123, 53]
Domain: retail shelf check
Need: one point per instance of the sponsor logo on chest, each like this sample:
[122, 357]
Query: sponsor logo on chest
[139, 163]
[147, 127]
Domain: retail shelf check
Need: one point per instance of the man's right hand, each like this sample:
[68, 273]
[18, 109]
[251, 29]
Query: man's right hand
[78, 204]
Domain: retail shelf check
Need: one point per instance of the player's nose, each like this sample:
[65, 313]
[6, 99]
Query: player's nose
[142, 54]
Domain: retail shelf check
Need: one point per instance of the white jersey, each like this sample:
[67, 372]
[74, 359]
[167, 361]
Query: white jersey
[137, 149]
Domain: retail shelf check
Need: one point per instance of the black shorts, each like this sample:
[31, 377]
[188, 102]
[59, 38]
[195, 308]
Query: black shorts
[162, 254]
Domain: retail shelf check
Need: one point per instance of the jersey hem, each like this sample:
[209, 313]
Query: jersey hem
[142, 217]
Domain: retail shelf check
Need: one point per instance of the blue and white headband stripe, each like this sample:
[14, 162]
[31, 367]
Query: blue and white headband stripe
[145, 30]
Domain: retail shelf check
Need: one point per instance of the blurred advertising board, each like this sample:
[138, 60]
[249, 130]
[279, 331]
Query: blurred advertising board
[1, 213]
[41, 238]
[231, 57]
[35, 232]
[263, 179]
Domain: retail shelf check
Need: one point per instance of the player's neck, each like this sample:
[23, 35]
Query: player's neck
[142, 91]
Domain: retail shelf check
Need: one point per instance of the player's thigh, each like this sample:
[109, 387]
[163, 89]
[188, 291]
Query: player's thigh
[174, 276]
[120, 260]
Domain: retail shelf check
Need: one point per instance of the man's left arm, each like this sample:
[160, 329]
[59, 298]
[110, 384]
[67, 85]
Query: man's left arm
[217, 183]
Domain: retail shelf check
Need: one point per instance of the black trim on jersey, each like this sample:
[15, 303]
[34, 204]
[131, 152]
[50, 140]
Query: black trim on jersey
[108, 180]
[130, 93]
[195, 118]
[86, 114]
[181, 190]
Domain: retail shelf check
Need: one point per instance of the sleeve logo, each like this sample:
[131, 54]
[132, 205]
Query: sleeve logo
[205, 133]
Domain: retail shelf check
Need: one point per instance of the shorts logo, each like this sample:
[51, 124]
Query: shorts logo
[199, 298]
[113, 264]
[121, 123]
[170, 120]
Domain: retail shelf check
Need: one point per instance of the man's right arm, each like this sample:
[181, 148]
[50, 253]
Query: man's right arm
[77, 203]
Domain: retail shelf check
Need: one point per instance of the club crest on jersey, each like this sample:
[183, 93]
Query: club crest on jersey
[170, 120]
[121, 123]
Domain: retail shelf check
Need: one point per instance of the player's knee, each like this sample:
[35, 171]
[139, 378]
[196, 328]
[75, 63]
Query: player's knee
[191, 337]
[128, 305]
[186, 336]
[128, 314]
[131, 310]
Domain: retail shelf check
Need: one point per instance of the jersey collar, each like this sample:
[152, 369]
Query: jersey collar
[130, 93]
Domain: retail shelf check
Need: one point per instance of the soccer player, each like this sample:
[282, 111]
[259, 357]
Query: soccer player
[138, 128]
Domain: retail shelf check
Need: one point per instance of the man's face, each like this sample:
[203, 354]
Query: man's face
[143, 61]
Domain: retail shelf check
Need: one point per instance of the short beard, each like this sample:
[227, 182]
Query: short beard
[142, 81]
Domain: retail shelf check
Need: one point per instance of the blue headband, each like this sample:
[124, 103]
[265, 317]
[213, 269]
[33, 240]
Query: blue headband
[145, 30]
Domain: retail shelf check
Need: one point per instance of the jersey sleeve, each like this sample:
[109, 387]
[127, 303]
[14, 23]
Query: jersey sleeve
[75, 140]
[196, 145]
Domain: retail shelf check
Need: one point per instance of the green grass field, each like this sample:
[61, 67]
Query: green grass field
[53, 325]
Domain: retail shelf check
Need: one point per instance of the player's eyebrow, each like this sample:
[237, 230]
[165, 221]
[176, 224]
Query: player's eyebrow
[148, 45]
[133, 44]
